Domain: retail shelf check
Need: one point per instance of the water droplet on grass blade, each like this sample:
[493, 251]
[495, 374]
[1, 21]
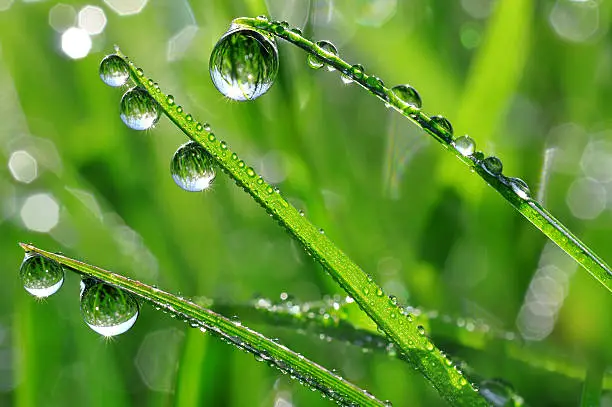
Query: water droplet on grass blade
[192, 167]
[520, 188]
[443, 122]
[139, 111]
[114, 71]
[465, 145]
[40, 275]
[408, 95]
[106, 309]
[492, 165]
[499, 394]
[244, 63]
[315, 62]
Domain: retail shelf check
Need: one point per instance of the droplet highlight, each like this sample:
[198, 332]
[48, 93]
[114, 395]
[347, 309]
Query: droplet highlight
[244, 63]
[465, 145]
[107, 310]
[520, 188]
[139, 111]
[408, 95]
[114, 71]
[40, 275]
[192, 167]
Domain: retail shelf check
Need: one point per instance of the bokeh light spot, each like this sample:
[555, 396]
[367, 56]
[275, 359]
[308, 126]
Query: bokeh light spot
[575, 21]
[76, 43]
[40, 212]
[126, 7]
[62, 17]
[586, 198]
[92, 19]
[23, 166]
[5, 4]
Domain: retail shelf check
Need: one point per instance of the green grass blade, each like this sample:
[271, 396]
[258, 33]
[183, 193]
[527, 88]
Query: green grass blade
[591, 390]
[429, 360]
[530, 209]
[306, 371]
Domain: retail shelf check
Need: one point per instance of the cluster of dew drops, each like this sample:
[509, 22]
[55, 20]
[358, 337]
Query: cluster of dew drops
[106, 309]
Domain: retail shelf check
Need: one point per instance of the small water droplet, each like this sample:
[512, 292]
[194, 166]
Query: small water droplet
[244, 63]
[520, 188]
[170, 100]
[189, 118]
[211, 137]
[250, 172]
[315, 62]
[296, 30]
[465, 145]
[443, 123]
[114, 71]
[492, 165]
[40, 275]
[179, 109]
[241, 164]
[199, 127]
[192, 167]
[499, 393]
[139, 72]
[139, 111]
[408, 95]
[379, 292]
[262, 18]
[106, 309]
[234, 156]
[421, 329]
[376, 85]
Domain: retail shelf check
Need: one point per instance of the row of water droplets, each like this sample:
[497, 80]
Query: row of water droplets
[107, 310]
[244, 64]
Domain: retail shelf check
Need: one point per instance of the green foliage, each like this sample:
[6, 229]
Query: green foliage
[424, 227]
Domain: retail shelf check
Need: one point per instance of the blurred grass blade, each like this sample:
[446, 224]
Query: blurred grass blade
[591, 390]
[306, 371]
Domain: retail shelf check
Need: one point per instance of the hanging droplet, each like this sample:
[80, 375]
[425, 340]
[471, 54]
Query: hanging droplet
[408, 95]
[493, 165]
[40, 275]
[106, 309]
[139, 111]
[114, 71]
[315, 62]
[499, 394]
[192, 167]
[465, 145]
[443, 123]
[520, 188]
[244, 63]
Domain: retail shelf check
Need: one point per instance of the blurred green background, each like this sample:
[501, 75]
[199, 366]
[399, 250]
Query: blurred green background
[528, 80]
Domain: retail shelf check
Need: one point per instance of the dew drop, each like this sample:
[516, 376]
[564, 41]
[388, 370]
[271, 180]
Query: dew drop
[379, 292]
[170, 100]
[499, 393]
[465, 145]
[492, 165]
[250, 172]
[192, 167]
[297, 31]
[106, 309]
[139, 111]
[40, 275]
[315, 62]
[443, 123]
[376, 86]
[114, 71]
[189, 118]
[520, 188]
[244, 63]
[408, 95]
[421, 329]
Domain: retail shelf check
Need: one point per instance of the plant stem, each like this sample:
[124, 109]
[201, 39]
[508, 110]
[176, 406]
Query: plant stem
[591, 390]
[306, 371]
[530, 209]
[430, 361]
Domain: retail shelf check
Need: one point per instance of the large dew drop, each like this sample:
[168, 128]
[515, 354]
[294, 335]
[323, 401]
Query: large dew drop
[106, 309]
[41, 276]
[315, 62]
[408, 95]
[114, 71]
[244, 63]
[192, 167]
[139, 111]
[443, 122]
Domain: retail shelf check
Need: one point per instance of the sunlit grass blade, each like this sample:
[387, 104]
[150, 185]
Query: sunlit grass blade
[429, 360]
[591, 390]
[264, 349]
[514, 191]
